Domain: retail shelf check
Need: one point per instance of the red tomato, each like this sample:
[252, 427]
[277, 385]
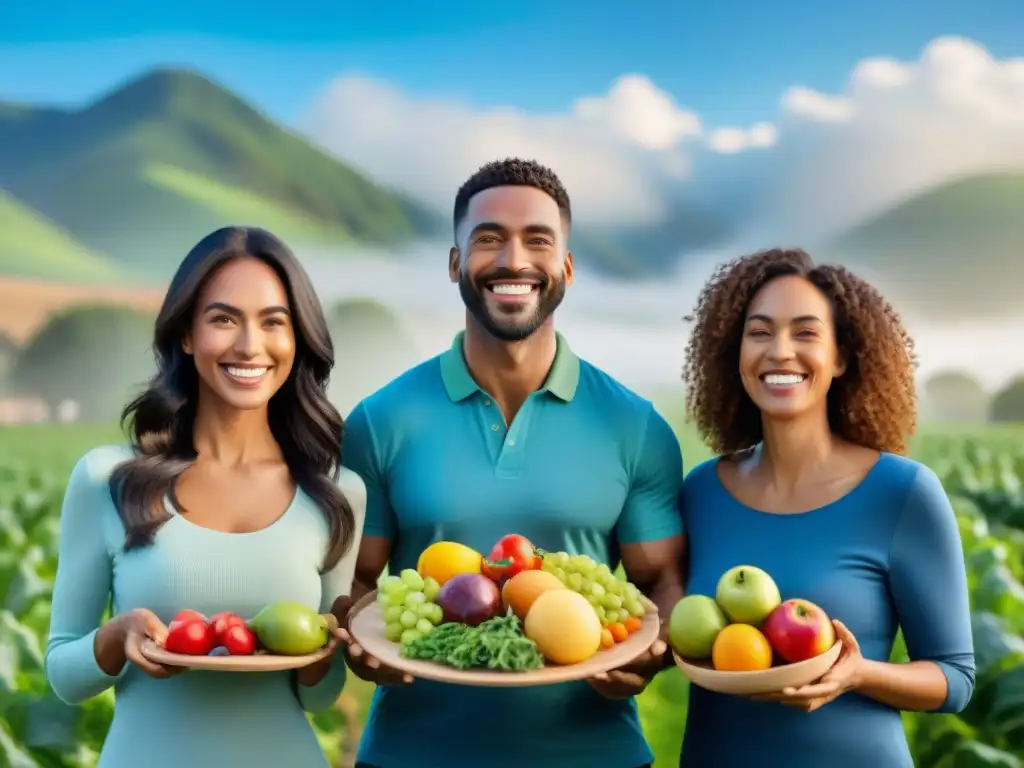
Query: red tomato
[188, 615]
[222, 622]
[501, 571]
[239, 640]
[192, 637]
[519, 550]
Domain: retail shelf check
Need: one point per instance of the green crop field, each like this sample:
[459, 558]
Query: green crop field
[982, 468]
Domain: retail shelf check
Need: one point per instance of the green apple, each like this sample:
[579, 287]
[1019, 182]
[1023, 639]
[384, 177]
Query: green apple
[693, 626]
[747, 595]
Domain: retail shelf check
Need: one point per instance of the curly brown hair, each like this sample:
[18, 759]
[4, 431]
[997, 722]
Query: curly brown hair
[872, 404]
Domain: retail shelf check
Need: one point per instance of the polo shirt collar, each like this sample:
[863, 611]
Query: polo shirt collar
[561, 382]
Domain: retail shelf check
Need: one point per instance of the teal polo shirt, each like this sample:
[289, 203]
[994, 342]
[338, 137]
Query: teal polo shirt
[585, 466]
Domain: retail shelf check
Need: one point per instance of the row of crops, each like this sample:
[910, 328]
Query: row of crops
[983, 476]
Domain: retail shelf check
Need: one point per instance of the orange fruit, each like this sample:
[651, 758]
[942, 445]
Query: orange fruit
[522, 589]
[741, 648]
[444, 559]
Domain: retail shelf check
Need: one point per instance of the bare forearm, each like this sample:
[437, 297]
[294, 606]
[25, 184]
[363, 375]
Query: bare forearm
[664, 588]
[918, 686]
[361, 586]
[314, 673]
[665, 592]
[109, 647]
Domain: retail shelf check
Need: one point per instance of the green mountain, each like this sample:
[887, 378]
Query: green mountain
[150, 167]
[950, 251]
[144, 172]
[31, 246]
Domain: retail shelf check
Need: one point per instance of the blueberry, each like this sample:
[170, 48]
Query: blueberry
[220, 650]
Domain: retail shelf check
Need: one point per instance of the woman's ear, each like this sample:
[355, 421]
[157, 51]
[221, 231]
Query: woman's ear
[840, 367]
[186, 344]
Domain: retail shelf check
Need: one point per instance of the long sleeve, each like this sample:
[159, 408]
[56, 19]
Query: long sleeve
[334, 584]
[928, 579]
[81, 590]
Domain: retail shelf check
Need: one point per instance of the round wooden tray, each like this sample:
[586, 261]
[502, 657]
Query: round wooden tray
[366, 625]
[257, 662]
[771, 680]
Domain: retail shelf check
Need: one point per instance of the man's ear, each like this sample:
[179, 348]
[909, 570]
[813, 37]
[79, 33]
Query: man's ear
[568, 267]
[453, 264]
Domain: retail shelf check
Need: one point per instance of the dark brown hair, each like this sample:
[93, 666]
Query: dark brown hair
[161, 420]
[872, 404]
[509, 172]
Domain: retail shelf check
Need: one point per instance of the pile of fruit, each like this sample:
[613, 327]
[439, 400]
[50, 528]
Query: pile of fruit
[513, 610]
[747, 626]
[283, 628]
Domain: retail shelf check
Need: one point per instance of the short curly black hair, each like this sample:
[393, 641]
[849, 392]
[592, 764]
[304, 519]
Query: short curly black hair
[872, 404]
[512, 171]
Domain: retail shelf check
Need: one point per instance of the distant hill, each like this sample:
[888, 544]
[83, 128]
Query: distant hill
[145, 171]
[954, 250]
[30, 246]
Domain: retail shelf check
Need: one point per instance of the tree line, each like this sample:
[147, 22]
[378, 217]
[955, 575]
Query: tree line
[955, 396]
[98, 356]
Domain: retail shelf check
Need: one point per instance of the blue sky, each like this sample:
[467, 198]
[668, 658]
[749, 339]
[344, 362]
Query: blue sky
[727, 61]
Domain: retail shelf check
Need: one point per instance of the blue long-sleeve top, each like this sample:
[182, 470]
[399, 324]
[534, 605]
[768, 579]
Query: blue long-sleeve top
[885, 556]
[252, 719]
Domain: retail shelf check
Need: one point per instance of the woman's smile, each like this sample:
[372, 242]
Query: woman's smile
[245, 374]
[785, 383]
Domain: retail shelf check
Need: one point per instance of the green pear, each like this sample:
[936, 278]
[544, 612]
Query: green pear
[290, 629]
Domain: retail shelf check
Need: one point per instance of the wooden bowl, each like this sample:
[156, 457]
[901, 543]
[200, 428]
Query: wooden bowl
[257, 662]
[770, 680]
[366, 625]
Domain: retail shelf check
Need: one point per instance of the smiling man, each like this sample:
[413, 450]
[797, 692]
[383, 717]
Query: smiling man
[508, 431]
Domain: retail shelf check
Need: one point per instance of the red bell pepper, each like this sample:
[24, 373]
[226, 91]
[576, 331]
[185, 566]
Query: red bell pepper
[511, 555]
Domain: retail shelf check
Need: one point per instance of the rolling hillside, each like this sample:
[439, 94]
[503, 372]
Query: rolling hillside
[145, 171]
[953, 250]
[121, 188]
[32, 246]
[157, 162]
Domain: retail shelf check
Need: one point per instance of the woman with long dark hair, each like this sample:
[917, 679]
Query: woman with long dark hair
[801, 377]
[231, 496]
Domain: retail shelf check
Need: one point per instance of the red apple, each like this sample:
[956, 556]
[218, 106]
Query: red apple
[799, 630]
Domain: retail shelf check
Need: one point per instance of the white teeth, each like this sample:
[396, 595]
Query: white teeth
[246, 373]
[783, 379]
[512, 289]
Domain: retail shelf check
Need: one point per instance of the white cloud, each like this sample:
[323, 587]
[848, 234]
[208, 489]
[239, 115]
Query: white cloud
[613, 152]
[638, 112]
[729, 141]
[896, 128]
[823, 162]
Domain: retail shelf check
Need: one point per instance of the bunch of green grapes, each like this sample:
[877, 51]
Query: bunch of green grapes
[407, 605]
[614, 599]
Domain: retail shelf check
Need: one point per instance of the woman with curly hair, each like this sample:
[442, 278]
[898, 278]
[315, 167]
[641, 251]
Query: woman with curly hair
[801, 378]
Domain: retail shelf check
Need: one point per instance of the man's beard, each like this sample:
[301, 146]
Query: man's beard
[511, 327]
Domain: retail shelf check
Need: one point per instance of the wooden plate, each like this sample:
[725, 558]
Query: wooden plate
[366, 625]
[257, 662]
[761, 681]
